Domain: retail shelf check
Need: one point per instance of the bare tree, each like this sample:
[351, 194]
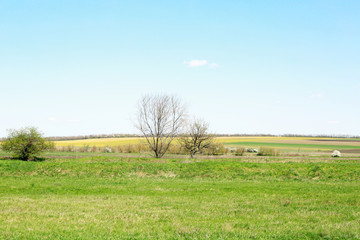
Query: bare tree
[160, 119]
[197, 137]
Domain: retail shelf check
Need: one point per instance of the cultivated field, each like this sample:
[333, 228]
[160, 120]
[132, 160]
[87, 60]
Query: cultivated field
[85, 195]
[283, 144]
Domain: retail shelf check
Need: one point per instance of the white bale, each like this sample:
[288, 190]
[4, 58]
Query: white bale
[336, 153]
[249, 150]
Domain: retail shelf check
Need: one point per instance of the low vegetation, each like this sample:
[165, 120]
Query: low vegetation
[109, 197]
[26, 143]
[267, 151]
[240, 151]
[86, 189]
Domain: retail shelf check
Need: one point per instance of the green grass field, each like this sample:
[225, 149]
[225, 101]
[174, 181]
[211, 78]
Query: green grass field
[109, 197]
[293, 146]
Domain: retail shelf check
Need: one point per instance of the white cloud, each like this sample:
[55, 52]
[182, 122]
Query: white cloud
[333, 122]
[214, 65]
[52, 119]
[196, 63]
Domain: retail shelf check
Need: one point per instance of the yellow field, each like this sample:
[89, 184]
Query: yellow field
[294, 143]
[225, 140]
[292, 140]
[99, 142]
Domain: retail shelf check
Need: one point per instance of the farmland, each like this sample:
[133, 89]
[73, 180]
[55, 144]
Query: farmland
[211, 120]
[284, 144]
[87, 195]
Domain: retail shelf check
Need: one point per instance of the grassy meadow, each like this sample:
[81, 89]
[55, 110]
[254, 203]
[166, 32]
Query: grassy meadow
[85, 195]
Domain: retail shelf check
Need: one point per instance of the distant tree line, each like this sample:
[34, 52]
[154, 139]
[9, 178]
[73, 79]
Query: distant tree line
[93, 136]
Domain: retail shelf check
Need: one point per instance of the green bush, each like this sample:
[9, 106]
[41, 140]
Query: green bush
[239, 151]
[267, 151]
[215, 149]
[26, 144]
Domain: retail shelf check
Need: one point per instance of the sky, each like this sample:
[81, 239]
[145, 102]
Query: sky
[276, 67]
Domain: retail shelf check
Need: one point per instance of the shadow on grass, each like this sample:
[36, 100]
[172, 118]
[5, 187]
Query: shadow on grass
[36, 159]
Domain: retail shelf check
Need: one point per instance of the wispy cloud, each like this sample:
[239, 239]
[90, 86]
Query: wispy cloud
[333, 122]
[52, 119]
[196, 63]
[200, 63]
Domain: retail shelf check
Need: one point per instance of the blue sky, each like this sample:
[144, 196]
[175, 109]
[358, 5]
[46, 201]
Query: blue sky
[79, 67]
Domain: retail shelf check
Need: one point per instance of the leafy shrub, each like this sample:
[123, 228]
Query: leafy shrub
[267, 151]
[239, 151]
[215, 149]
[26, 144]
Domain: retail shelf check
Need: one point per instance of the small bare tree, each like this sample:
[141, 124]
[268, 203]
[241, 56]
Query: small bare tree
[197, 137]
[160, 119]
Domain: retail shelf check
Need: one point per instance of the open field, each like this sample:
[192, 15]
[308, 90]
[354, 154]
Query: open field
[104, 196]
[99, 142]
[283, 144]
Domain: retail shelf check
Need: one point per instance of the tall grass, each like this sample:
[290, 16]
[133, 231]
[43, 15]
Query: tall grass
[176, 148]
[267, 151]
[128, 148]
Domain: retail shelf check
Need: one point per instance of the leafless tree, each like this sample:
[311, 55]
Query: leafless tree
[197, 137]
[160, 119]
